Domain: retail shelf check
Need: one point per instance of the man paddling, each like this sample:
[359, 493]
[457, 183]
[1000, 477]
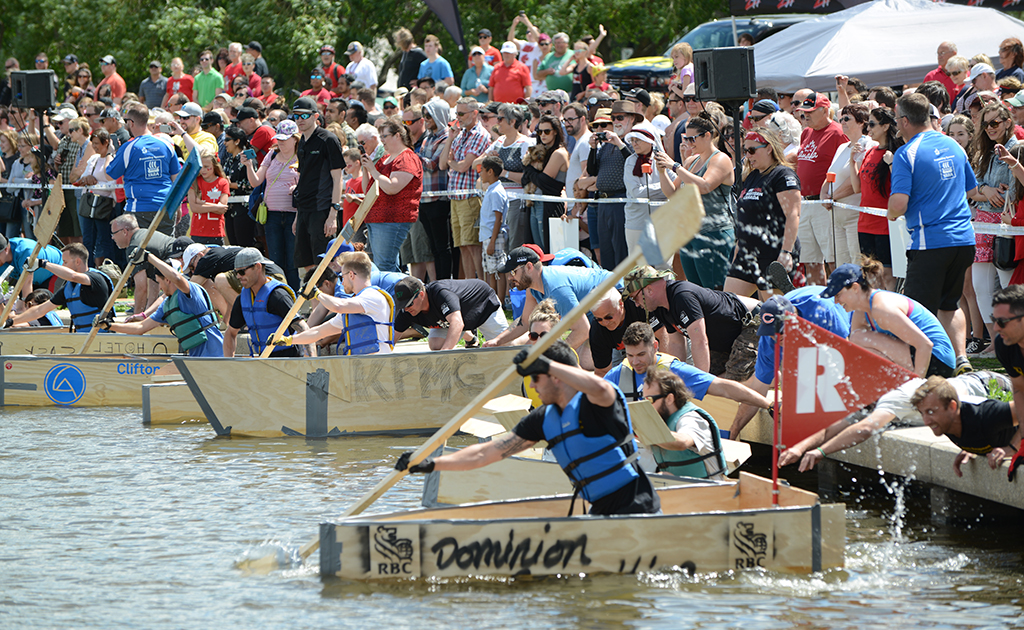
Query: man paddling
[642, 354]
[697, 448]
[365, 315]
[186, 309]
[262, 306]
[85, 291]
[586, 424]
[16, 252]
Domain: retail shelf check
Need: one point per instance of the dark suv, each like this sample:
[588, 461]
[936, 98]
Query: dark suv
[654, 73]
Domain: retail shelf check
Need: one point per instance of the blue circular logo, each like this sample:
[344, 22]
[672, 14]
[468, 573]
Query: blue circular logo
[64, 384]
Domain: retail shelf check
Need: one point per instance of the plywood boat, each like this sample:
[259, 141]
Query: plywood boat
[80, 381]
[170, 404]
[55, 340]
[407, 393]
[703, 528]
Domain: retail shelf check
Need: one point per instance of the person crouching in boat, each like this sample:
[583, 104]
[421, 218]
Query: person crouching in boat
[365, 319]
[262, 306]
[889, 324]
[85, 290]
[448, 308]
[586, 424]
[697, 449]
[186, 309]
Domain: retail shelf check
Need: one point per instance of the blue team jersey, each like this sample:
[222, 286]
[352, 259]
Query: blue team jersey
[811, 306]
[934, 171]
[147, 164]
[697, 381]
[568, 285]
[21, 249]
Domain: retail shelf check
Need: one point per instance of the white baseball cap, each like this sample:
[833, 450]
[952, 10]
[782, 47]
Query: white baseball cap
[509, 47]
[190, 252]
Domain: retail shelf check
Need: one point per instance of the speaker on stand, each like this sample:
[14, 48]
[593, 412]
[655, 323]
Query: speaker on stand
[37, 90]
[726, 75]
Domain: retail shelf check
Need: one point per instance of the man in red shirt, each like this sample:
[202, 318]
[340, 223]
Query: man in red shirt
[234, 68]
[261, 137]
[332, 71]
[179, 82]
[511, 78]
[110, 77]
[818, 145]
[945, 51]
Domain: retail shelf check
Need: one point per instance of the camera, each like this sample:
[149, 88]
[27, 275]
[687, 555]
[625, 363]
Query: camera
[602, 136]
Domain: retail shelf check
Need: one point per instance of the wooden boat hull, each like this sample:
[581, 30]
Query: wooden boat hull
[55, 340]
[704, 528]
[80, 381]
[170, 404]
[408, 393]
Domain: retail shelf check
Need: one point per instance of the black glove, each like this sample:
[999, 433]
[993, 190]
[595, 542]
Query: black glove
[310, 293]
[1016, 461]
[426, 466]
[140, 257]
[105, 322]
[541, 365]
[9, 322]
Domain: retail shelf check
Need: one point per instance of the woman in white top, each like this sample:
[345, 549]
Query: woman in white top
[95, 208]
[641, 180]
[854, 118]
[511, 146]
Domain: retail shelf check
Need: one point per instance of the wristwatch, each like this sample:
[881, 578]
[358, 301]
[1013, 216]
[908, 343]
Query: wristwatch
[786, 251]
[336, 206]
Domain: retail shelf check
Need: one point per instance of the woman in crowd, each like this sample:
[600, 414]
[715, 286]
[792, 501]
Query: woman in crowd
[1011, 58]
[889, 324]
[400, 177]
[543, 319]
[994, 181]
[549, 179]
[958, 68]
[223, 60]
[644, 179]
[96, 236]
[83, 85]
[871, 178]
[705, 259]
[767, 217]
[511, 146]
[477, 76]
[240, 86]
[579, 66]
[239, 228]
[1013, 210]
[847, 159]
[14, 173]
[280, 169]
[32, 200]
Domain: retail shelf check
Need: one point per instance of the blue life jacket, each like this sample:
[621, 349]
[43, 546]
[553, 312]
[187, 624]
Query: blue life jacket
[596, 466]
[688, 463]
[360, 333]
[82, 315]
[262, 325]
[52, 319]
[570, 257]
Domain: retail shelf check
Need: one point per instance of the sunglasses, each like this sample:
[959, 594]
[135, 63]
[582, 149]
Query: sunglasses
[758, 118]
[41, 60]
[302, 116]
[501, 118]
[602, 125]
[992, 124]
[244, 270]
[535, 336]
[690, 99]
[692, 138]
[409, 123]
[621, 118]
[872, 124]
[386, 135]
[546, 131]
[675, 100]
[846, 119]
[205, 59]
[753, 150]
[606, 318]
[389, 106]
[656, 398]
[1003, 321]
[461, 114]
[571, 120]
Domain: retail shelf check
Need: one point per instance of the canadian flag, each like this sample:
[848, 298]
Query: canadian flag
[826, 378]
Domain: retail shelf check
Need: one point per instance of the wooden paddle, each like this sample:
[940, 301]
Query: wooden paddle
[355, 221]
[45, 226]
[675, 223]
[179, 189]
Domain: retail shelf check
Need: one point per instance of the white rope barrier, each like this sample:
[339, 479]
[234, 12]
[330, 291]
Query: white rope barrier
[997, 229]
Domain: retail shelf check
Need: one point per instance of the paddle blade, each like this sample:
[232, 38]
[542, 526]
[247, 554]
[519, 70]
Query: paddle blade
[187, 175]
[49, 216]
[673, 225]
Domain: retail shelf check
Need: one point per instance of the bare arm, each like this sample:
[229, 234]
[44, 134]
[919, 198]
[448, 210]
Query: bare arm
[455, 328]
[580, 333]
[737, 391]
[135, 328]
[790, 201]
[699, 345]
[897, 205]
[746, 412]
[230, 337]
[599, 391]
[484, 453]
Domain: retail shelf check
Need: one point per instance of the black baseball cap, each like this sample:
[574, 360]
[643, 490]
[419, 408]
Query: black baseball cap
[178, 246]
[519, 257]
[405, 291]
[304, 104]
[244, 113]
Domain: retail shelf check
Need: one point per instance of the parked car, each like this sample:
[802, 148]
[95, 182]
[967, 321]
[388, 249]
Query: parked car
[654, 73]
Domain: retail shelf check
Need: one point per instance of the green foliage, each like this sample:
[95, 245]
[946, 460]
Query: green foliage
[996, 393]
[291, 31]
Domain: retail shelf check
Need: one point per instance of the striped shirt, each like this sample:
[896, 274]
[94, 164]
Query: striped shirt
[475, 141]
[434, 179]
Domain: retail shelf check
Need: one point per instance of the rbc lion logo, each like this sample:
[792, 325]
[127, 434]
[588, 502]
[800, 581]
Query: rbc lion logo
[396, 551]
[753, 546]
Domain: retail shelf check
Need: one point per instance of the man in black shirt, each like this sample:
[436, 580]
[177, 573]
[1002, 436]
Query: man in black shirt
[612, 481]
[412, 57]
[985, 428]
[1007, 314]
[262, 308]
[614, 315]
[318, 191]
[213, 268]
[447, 308]
[722, 327]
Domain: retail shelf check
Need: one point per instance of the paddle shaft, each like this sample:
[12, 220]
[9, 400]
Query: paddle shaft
[42, 239]
[357, 221]
[122, 280]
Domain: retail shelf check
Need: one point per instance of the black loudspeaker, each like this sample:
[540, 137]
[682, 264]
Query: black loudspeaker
[724, 74]
[33, 89]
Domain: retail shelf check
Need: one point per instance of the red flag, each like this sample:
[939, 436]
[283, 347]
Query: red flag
[826, 378]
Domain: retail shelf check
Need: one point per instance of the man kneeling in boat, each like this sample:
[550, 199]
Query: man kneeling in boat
[447, 308]
[186, 309]
[85, 291]
[262, 306]
[642, 354]
[586, 424]
[365, 317]
[697, 449]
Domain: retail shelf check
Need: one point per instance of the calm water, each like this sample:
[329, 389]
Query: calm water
[107, 524]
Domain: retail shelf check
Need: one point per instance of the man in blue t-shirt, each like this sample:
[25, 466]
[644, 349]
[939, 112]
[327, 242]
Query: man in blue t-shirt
[808, 304]
[148, 165]
[16, 252]
[931, 179]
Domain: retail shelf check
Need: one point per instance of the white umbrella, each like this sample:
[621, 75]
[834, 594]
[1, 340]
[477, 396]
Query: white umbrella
[884, 42]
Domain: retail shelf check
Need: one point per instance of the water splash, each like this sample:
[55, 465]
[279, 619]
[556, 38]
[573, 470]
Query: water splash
[267, 556]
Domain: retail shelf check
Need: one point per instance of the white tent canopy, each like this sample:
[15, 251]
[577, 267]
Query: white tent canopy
[884, 42]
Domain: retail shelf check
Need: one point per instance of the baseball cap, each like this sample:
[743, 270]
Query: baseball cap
[519, 257]
[343, 248]
[190, 253]
[63, 114]
[765, 106]
[255, 45]
[304, 104]
[642, 276]
[244, 113]
[553, 96]
[475, 50]
[771, 311]
[155, 64]
[327, 48]
[540, 252]
[390, 100]
[108, 59]
[814, 101]
[354, 47]
[844, 275]
[211, 118]
[484, 32]
[509, 47]
[286, 129]
[190, 109]
[979, 69]
[544, 37]
[405, 291]
[178, 246]
[247, 257]
[640, 95]
[1017, 100]
[110, 112]
[70, 59]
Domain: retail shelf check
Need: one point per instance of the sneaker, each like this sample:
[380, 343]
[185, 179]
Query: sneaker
[975, 346]
[963, 366]
[780, 277]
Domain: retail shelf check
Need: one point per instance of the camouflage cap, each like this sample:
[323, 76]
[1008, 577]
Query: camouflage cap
[642, 276]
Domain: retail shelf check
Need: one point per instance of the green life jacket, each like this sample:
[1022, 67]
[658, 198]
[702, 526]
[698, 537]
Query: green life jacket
[687, 463]
[189, 329]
